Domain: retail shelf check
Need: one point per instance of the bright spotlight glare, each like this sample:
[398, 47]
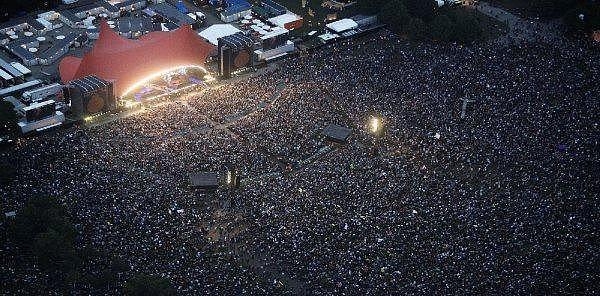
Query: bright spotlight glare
[375, 125]
[151, 77]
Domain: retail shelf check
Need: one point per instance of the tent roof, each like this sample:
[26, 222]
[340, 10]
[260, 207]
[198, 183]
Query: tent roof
[124, 61]
[342, 25]
[283, 19]
[214, 32]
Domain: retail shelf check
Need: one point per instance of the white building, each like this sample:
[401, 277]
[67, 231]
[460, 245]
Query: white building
[55, 119]
[40, 93]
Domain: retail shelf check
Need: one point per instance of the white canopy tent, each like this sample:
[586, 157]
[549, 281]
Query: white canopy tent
[342, 25]
[214, 32]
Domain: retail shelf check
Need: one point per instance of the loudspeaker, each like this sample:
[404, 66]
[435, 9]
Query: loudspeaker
[226, 53]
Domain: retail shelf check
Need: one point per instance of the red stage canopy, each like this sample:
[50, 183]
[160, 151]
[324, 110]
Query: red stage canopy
[125, 61]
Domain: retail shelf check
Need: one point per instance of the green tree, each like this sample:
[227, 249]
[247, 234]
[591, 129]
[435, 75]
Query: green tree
[417, 29]
[591, 17]
[442, 28]
[551, 8]
[423, 9]
[54, 251]
[39, 215]
[395, 14]
[467, 29]
[143, 285]
[8, 119]
[7, 171]
[370, 6]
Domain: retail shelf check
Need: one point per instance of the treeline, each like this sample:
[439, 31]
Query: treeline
[540, 8]
[423, 19]
[584, 17]
[13, 8]
[579, 15]
[8, 119]
[42, 229]
[8, 130]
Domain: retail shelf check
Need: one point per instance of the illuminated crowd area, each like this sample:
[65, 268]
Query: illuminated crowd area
[374, 166]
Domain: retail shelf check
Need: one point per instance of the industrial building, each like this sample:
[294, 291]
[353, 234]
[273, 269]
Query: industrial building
[40, 116]
[58, 49]
[236, 11]
[273, 8]
[133, 27]
[170, 14]
[15, 74]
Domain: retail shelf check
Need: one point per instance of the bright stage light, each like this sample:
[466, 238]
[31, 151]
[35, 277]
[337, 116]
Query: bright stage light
[229, 177]
[375, 125]
[209, 78]
[159, 74]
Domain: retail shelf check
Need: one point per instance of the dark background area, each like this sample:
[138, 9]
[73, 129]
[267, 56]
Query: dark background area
[15, 8]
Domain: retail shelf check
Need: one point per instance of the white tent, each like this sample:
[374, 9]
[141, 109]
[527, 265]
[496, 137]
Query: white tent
[214, 32]
[284, 19]
[342, 25]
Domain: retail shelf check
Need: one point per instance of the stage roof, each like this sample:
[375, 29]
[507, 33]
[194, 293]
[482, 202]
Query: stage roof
[125, 62]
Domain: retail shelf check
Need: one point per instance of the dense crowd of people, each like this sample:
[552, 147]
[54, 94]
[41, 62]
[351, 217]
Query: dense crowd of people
[504, 200]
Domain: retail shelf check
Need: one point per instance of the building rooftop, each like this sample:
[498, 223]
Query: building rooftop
[21, 52]
[5, 75]
[237, 40]
[16, 88]
[134, 24]
[170, 12]
[70, 16]
[9, 69]
[273, 7]
[36, 24]
[242, 6]
[128, 2]
[58, 45]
